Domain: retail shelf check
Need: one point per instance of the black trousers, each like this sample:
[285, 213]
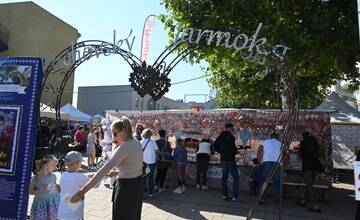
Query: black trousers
[202, 167]
[160, 177]
[127, 199]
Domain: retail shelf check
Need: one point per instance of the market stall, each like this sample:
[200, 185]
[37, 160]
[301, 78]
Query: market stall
[345, 131]
[252, 126]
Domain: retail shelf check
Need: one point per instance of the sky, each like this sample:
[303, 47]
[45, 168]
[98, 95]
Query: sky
[96, 20]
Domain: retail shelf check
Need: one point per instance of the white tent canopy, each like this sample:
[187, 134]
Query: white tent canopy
[97, 117]
[75, 114]
[345, 131]
[343, 111]
[48, 112]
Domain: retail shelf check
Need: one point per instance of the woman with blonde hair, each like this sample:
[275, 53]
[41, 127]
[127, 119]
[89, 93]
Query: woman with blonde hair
[129, 187]
[150, 150]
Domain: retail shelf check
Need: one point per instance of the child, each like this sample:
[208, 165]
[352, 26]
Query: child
[180, 158]
[70, 183]
[255, 177]
[43, 186]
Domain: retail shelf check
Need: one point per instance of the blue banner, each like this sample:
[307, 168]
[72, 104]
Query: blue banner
[20, 86]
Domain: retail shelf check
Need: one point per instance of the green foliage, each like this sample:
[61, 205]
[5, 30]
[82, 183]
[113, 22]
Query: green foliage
[322, 36]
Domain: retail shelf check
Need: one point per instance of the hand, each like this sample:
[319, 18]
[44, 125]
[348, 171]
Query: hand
[112, 173]
[76, 198]
[42, 188]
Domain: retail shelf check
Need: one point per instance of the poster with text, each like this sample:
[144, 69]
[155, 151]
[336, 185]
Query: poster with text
[20, 86]
[357, 179]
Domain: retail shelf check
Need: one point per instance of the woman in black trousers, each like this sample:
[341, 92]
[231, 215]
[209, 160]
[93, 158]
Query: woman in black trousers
[203, 159]
[129, 187]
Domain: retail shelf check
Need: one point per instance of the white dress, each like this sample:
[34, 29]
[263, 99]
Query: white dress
[90, 147]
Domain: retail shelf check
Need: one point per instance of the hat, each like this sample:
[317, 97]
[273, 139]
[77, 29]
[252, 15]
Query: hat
[73, 156]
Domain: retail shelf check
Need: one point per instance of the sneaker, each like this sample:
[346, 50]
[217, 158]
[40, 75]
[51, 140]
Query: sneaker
[183, 188]
[178, 190]
[197, 186]
[161, 189]
[226, 198]
[156, 187]
[204, 187]
[237, 200]
[151, 196]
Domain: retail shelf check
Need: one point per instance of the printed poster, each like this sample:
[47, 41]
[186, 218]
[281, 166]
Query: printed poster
[20, 86]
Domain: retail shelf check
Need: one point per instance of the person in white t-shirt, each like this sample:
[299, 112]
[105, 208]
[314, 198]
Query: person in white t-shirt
[268, 154]
[150, 150]
[70, 183]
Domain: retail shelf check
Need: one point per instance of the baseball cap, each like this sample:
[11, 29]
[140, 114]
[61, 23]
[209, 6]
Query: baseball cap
[73, 157]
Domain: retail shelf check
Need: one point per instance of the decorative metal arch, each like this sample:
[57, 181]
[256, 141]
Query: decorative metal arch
[153, 79]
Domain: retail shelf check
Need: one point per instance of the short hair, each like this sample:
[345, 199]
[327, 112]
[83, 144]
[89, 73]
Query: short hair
[229, 125]
[274, 135]
[162, 133]
[146, 134]
[179, 141]
[123, 124]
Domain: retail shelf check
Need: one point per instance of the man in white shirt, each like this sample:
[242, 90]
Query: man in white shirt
[269, 153]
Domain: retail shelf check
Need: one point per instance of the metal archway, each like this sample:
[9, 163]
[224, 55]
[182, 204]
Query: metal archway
[153, 79]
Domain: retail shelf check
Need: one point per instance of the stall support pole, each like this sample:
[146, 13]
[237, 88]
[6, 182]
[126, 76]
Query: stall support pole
[281, 186]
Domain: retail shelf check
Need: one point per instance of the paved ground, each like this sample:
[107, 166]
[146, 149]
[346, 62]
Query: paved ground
[197, 204]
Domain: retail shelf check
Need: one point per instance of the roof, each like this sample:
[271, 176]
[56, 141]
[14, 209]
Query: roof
[30, 3]
[344, 112]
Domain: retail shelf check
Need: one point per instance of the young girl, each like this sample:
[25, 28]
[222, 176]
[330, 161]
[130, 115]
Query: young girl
[180, 158]
[43, 186]
[90, 148]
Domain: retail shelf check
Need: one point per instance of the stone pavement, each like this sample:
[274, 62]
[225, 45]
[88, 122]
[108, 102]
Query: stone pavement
[198, 204]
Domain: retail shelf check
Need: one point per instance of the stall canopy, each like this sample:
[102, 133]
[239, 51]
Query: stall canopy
[97, 118]
[75, 114]
[344, 113]
[345, 131]
[48, 112]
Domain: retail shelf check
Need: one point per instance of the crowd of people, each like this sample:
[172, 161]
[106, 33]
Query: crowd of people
[140, 165]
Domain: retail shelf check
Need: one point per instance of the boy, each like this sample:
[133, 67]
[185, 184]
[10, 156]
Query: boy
[70, 183]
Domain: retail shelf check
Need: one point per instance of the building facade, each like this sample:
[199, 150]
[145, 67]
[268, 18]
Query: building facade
[26, 29]
[98, 99]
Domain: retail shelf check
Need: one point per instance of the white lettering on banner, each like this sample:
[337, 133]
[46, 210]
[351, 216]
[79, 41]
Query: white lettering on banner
[357, 180]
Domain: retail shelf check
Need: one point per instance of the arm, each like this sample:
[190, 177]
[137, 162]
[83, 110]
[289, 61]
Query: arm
[260, 153]
[117, 158]
[217, 145]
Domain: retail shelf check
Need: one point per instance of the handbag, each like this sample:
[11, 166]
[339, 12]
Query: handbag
[145, 168]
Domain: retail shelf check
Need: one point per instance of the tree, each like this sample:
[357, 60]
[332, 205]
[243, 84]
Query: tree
[322, 36]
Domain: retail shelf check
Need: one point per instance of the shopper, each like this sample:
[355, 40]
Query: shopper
[309, 154]
[225, 145]
[139, 128]
[203, 152]
[128, 157]
[180, 158]
[164, 162]
[150, 150]
[91, 148]
[268, 154]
